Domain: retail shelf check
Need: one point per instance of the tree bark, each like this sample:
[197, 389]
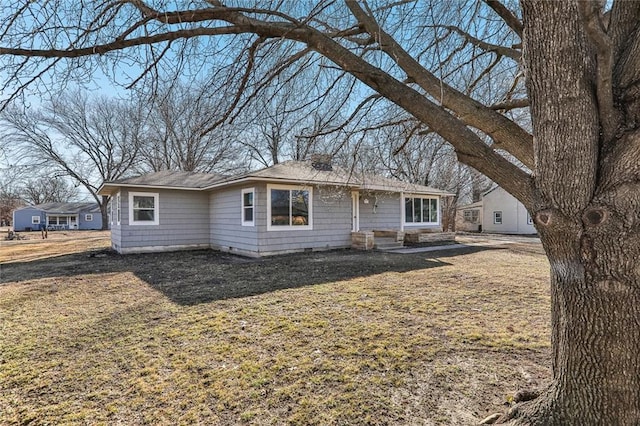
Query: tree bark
[586, 208]
[595, 319]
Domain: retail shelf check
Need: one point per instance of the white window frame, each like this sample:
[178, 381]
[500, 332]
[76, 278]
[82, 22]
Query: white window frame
[118, 208]
[156, 205]
[306, 227]
[495, 217]
[35, 220]
[88, 217]
[424, 197]
[243, 208]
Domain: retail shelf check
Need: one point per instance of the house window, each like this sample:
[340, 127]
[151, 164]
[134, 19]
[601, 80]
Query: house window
[497, 218]
[118, 208]
[88, 218]
[421, 210]
[60, 221]
[35, 220]
[143, 208]
[289, 207]
[248, 196]
[472, 216]
[529, 219]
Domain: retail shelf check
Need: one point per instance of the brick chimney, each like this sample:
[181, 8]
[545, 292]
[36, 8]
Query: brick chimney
[321, 162]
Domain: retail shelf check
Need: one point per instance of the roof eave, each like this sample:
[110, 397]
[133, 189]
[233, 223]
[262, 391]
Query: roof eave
[383, 188]
[246, 179]
[104, 188]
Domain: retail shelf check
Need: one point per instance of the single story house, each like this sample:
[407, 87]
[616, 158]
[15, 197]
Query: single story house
[498, 212]
[57, 216]
[291, 206]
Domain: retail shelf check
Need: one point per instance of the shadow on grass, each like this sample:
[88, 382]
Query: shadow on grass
[192, 277]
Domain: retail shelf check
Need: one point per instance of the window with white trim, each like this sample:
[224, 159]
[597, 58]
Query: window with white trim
[143, 208]
[88, 218]
[497, 217]
[35, 220]
[118, 206]
[423, 210]
[248, 208]
[289, 207]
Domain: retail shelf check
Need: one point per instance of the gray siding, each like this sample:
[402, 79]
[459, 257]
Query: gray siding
[96, 223]
[383, 211]
[183, 222]
[331, 216]
[227, 232]
[22, 219]
[514, 214]
[331, 219]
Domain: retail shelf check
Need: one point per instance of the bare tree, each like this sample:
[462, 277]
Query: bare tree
[577, 171]
[90, 140]
[185, 129]
[48, 189]
[10, 197]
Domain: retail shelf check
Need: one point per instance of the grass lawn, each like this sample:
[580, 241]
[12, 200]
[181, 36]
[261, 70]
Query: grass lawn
[331, 338]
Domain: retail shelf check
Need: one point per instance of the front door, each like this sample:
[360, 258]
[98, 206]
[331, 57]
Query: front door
[355, 211]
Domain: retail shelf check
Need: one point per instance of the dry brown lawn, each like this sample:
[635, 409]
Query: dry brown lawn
[57, 243]
[349, 338]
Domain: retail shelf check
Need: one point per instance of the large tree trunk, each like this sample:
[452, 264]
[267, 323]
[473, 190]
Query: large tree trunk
[587, 212]
[595, 268]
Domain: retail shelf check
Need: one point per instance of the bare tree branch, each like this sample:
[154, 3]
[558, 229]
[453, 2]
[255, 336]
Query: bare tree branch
[512, 104]
[509, 18]
[591, 14]
[488, 47]
[505, 133]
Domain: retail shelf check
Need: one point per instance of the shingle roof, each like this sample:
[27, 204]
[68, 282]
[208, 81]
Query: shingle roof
[471, 206]
[381, 183]
[305, 172]
[172, 178]
[164, 179]
[64, 208]
[299, 172]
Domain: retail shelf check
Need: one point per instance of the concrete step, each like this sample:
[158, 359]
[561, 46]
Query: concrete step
[383, 243]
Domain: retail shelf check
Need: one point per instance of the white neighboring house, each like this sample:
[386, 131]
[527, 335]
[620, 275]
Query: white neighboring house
[498, 213]
[504, 214]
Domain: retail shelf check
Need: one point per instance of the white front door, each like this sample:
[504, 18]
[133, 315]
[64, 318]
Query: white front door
[355, 211]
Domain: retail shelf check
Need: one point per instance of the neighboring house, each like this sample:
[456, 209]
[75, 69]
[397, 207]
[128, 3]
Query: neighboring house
[292, 206]
[57, 216]
[499, 212]
[469, 217]
[504, 214]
